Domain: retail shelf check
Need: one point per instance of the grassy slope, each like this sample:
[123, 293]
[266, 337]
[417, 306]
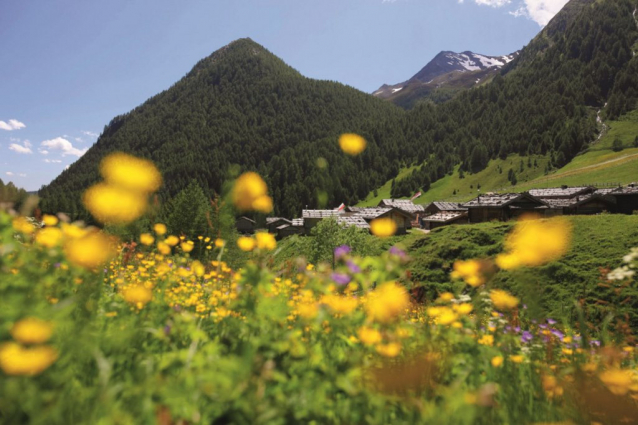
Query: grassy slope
[599, 242]
[598, 165]
[384, 191]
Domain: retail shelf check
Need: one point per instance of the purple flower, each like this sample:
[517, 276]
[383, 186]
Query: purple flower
[340, 278]
[342, 251]
[551, 321]
[353, 267]
[526, 337]
[167, 330]
[594, 342]
[397, 251]
[517, 329]
[558, 334]
[56, 265]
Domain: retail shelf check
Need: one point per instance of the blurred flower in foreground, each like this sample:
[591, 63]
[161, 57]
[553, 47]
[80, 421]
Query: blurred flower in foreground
[391, 349]
[49, 236]
[352, 144]
[138, 295]
[502, 300]
[251, 193]
[123, 197]
[17, 360]
[535, 242]
[470, 271]
[266, 241]
[129, 172]
[383, 227]
[22, 225]
[159, 229]
[90, 251]
[113, 204]
[246, 243]
[387, 302]
[31, 330]
[618, 381]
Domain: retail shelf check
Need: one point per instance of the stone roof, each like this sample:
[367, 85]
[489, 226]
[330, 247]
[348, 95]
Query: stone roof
[560, 192]
[493, 200]
[449, 206]
[247, 219]
[629, 190]
[402, 204]
[297, 222]
[270, 220]
[444, 217]
[353, 220]
[320, 213]
[560, 202]
[369, 213]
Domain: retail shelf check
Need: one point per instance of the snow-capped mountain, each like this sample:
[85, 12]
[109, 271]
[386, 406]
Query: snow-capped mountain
[459, 70]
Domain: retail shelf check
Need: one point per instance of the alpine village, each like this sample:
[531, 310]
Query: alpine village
[254, 246]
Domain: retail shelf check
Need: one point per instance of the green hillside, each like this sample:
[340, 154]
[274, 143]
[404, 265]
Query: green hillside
[599, 164]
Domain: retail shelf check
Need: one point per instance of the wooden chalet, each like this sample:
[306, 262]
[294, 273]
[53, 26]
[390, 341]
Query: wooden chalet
[294, 228]
[444, 218]
[626, 199]
[588, 204]
[402, 218]
[312, 217]
[273, 223]
[245, 225]
[407, 206]
[437, 207]
[503, 207]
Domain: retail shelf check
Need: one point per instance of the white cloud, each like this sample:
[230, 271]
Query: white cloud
[43, 151]
[11, 125]
[9, 173]
[67, 167]
[23, 148]
[493, 3]
[542, 11]
[89, 133]
[52, 161]
[63, 145]
[22, 175]
[79, 140]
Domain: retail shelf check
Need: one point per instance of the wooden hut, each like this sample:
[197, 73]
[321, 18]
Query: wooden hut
[245, 225]
[405, 205]
[503, 207]
[273, 223]
[626, 199]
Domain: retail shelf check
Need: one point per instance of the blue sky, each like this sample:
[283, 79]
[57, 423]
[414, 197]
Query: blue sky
[70, 66]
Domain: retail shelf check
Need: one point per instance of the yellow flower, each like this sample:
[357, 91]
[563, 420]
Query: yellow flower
[114, 204]
[551, 387]
[171, 240]
[266, 241]
[49, 220]
[147, 239]
[135, 174]
[446, 297]
[90, 251]
[535, 242]
[383, 227]
[486, 340]
[163, 248]
[391, 349]
[497, 361]
[159, 229]
[49, 237]
[198, 268]
[446, 317]
[263, 204]
[618, 381]
[463, 308]
[32, 330]
[369, 336]
[17, 360]
[187, 246]
[246, 243]
[517, 358]
[73, 231]
[23, 225]
[249, 193]
[308, 310]
[138, 295]
[340, 304]
[470, 271]
[352, 144]
[220, 243]
[502, 300]
[387, 302]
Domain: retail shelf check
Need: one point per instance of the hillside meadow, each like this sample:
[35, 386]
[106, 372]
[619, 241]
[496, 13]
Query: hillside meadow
[444, 328]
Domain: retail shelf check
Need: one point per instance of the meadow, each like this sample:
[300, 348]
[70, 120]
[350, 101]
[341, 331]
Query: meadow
[158, 330]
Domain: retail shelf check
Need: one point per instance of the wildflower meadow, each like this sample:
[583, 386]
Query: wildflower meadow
[166, 328]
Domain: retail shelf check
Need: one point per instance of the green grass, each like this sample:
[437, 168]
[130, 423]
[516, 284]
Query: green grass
[599, 243]
[598, 165]
[384, 191]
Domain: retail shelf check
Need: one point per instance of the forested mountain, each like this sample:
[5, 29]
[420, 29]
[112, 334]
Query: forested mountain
[12, 194]
[244, 106]
[443, 77]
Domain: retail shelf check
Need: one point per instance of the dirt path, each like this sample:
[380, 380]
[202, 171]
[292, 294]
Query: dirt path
[603, 164]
